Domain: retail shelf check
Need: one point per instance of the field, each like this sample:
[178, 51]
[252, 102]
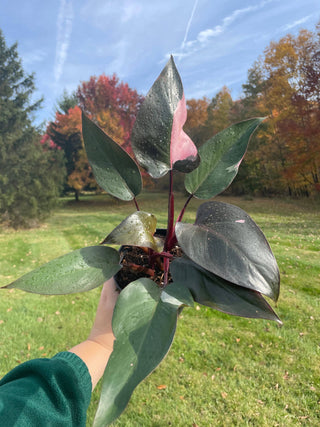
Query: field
[221, 370]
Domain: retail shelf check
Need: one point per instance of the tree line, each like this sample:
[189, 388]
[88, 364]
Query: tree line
[283, 158]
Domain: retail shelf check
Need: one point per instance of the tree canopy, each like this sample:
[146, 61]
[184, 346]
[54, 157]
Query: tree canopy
[30, 172]
[112, 104]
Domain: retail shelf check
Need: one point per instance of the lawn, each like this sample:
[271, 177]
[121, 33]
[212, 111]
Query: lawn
[221, 370]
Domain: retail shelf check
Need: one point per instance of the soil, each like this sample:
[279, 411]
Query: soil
[136, 264]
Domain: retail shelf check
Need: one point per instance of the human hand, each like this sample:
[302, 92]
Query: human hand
[101, 331]
[96, 350]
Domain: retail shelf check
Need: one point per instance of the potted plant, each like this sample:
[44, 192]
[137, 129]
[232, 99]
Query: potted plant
[222, 260]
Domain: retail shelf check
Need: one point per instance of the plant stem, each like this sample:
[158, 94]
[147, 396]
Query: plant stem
[184, 208]
[166, 264]
[136, 203]
[170, 228]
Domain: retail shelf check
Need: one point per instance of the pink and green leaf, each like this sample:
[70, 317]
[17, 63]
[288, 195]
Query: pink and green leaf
[158, 140]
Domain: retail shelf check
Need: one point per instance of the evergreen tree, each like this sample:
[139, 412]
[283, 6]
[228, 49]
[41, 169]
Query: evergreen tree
[30, 172]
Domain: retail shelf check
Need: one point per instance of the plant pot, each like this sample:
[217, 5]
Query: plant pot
[138, 262]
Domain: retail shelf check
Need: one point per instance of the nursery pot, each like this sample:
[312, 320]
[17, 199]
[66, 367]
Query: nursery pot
[136, 263]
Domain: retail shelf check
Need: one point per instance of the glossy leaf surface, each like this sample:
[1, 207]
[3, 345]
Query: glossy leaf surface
[144, 324]
[227, 242]
[113, 168]
[220, 160]
[136, 230]
[77, 271]
[158, 140]
[219, 294]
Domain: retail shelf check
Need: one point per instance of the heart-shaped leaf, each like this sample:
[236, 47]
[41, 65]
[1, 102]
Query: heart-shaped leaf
[77, 271]
[219, 294]
[113, 168]
[158, 141]
[144, 324]
[227, 242]
[136, 230]
[220, 160]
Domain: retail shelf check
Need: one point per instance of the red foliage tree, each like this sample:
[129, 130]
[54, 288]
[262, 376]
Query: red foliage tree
[102, 94]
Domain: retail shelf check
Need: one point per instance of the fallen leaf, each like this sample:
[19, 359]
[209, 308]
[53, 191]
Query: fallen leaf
[57, 313]
[161, 387]
[224, 394]
[286, 375]
[9, 309]
[41, 348]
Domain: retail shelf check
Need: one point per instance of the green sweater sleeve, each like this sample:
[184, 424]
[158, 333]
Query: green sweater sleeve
[46, 392]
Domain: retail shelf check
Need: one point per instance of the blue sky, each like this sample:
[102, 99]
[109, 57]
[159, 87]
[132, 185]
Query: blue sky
[214, 42]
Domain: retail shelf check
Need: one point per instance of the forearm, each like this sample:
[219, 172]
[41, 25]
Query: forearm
[96, 350]
[95, 356]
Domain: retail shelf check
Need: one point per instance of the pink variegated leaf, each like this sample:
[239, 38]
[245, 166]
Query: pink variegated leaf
[183, 152]
[158, 140]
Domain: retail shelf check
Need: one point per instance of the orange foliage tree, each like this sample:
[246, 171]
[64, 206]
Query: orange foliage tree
[112, 105]
[284, 84]
[292, 95]
[66, 133]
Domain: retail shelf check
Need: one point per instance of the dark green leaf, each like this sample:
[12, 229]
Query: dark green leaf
[220, 160]
[227, 242]
[219, 294]
[144, 324]
[137, 230]
[113, 168]
[158, 140]
[77, 271]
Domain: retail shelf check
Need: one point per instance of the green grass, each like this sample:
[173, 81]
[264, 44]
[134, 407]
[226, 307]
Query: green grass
[221, 370]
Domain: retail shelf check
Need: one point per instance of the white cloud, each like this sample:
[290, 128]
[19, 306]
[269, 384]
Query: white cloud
[64, 29]
[296, 23]
[205, 36]
[189, 24]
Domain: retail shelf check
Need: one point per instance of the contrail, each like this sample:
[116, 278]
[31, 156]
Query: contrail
[189, 24]
[64, 28]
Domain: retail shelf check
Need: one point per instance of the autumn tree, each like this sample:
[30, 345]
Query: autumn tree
[284, 85]
[220, 111]
[292, 73]
[197, 117]
[66, 133]
[112, 104]
[30, 172]
[206, 118]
